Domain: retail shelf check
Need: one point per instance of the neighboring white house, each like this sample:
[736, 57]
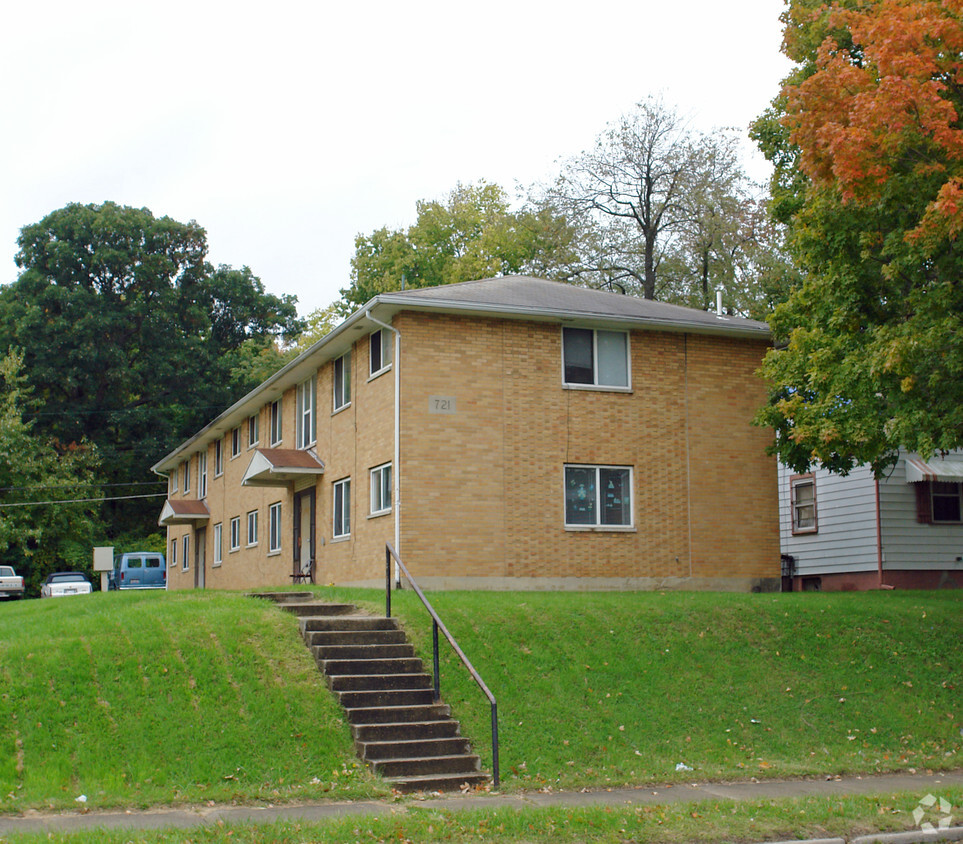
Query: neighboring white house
[853, 532]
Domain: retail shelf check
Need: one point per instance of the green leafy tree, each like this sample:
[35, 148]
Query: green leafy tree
[873, 361]
[128, 334]
[36, 536]
[473, 234]
[317, 324]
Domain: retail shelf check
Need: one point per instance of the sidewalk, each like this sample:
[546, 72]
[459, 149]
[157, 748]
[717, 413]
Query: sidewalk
[643, 795]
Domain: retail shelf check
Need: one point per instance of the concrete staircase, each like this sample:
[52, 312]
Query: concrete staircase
[406, 736]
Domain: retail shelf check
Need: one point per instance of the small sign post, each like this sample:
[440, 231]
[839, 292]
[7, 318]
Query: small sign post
[104, 563]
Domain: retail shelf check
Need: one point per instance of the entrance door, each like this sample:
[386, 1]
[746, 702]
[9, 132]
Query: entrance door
[200, 535]
[304, 529]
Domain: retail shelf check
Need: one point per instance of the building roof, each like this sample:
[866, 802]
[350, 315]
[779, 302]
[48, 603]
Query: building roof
[507, 297]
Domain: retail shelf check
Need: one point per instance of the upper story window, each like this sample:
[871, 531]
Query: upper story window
[236, 441]
[253, 434]
[187, 475]
[598, 496]
[802, 502]
[172, 480]
[306, 427]
[380, 351]
[342, 381]
[218, 457]
[202, 474]
[275, 422]
[595, 358]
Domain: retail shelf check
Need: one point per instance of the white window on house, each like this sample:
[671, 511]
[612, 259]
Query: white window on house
[946, 501]
[186, 561]
[218, 544]
[380, 351]
[342, 381]
[595, 358]
[381, 489]
[202, 474]
[306, 429]
[235, 442]
[218, 457]
[598, 496]
[173, 560]
[187, 475]
[276, 422]
[342, 508]
[172, 481]
[235, 533]
[802, 501]
[274, 527]
[253, 434]
[252, 528]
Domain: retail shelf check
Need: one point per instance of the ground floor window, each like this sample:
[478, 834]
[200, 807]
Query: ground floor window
[252, 528]
[946, 499]
[173, 560]
[598, 496]
[274, 527]
[186, 562]
[342, 508]
[381, 489]
[235, 533]
[218, 550]
[802, 494]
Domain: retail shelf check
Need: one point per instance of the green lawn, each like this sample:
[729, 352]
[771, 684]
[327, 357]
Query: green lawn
[145, 699]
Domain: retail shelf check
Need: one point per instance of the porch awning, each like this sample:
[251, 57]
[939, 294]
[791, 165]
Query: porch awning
[948, 469]
[182, 511]
[281, 466]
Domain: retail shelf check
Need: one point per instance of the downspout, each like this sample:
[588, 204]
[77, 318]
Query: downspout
[396, 460]
[879, 541]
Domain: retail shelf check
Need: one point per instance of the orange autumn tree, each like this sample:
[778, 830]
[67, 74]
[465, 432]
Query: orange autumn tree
[870, 116]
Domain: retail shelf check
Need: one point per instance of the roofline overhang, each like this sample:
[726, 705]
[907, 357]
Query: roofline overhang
[385, 305]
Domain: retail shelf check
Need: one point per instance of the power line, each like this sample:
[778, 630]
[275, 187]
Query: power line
[84, 500]
[69, 486]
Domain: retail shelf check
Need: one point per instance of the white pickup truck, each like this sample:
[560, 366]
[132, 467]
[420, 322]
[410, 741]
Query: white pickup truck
[11, 584]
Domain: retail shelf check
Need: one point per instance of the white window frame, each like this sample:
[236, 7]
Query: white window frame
[187, 475]
[379, 352]
[380, 498]
[186, 544]
[235, 442]
[277, 425]
[251, 528]
[341, 509]
[306, 434]
[797, 482]
[253, 430]
[235, 538]
[341, 378]
[173, 561]
[202, 474]
[274, 528]
[218, 544]
[598, 510]
[218, 457]
[174, 478]
[595, 384]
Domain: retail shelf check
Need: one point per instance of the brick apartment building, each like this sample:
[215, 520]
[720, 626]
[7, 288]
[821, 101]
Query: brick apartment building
[510, 433]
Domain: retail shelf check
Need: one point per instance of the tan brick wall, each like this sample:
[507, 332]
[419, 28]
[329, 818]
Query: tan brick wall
[483, 487]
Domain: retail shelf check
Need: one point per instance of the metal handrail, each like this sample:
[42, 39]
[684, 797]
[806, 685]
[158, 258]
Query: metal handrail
[437, 625]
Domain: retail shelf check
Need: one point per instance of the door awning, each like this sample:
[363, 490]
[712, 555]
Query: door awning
[281, 466]
[183, 511]
[948, 469]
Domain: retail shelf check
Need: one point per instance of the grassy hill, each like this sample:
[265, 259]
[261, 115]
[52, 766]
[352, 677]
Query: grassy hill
[141, 699]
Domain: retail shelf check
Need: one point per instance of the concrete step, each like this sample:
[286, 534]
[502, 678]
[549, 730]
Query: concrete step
[406, 731]
[318, 608]
[417, 766]
[386, 697]
[347, 622]
[406, 749]
[376, 682]
[355, 637]
[437, 782]
[398, 714]
[283, 597]
[409, 665]
[396, 651]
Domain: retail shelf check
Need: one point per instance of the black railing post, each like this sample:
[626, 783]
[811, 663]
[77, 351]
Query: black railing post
[495, 744]
[387, 581]
[434, 637]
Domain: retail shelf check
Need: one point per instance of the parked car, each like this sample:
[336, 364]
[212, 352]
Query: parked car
[62, 583]
[138, 570]
[11, 584]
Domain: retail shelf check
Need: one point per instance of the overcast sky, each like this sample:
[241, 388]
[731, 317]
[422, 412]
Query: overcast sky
[287, 128]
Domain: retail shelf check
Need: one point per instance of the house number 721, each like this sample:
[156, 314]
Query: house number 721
[441, 404]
